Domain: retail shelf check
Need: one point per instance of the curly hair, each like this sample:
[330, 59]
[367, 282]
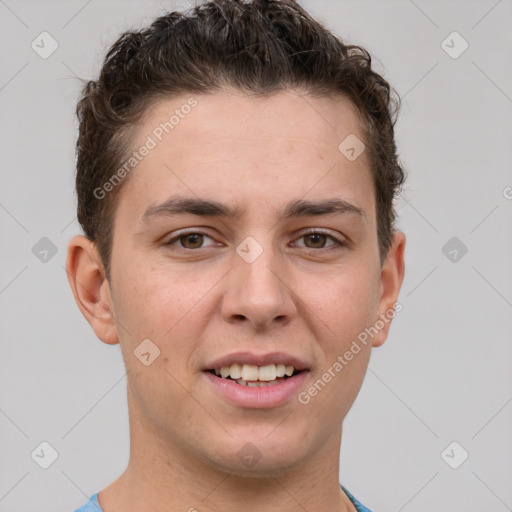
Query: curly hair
[259, 47]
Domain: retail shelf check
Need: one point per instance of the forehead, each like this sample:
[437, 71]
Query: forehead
[235, 148]
[193, 119]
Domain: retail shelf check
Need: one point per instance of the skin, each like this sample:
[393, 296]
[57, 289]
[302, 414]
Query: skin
[305, 296]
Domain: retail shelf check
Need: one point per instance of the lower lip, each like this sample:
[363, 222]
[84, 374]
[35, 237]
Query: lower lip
[263, 397]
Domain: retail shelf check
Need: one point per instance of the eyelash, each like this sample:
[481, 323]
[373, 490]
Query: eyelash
[337, 242]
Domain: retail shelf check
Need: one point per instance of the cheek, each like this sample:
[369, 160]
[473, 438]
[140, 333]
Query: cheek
[351, 307]
[343, 305]
[347, 309]
[153, 299]
[171, 309]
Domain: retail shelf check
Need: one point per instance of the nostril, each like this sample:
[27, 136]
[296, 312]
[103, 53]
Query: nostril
[239, 317]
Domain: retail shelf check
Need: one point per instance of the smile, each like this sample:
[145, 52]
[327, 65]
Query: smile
[255, 376]
[252, 392]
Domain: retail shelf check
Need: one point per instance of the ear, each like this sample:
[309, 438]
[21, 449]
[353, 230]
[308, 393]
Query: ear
[86, 276]
[391, 278]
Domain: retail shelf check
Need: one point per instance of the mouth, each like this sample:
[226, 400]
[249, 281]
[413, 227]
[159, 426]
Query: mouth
[256, 376]
[260, 384]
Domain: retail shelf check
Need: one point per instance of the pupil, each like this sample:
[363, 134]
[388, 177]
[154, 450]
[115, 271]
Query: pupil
[317, 239]
[192, 240]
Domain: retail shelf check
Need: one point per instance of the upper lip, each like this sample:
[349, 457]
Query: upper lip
[257, 360]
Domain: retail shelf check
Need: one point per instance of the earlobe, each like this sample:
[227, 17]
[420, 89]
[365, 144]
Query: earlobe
[392, 276]
[86, 276]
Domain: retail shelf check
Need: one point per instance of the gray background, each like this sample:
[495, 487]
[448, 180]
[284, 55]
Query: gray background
[445, 373]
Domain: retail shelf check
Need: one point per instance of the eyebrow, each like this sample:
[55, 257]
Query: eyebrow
[209, 208]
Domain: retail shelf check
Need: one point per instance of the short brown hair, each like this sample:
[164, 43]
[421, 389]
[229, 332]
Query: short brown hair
[258, 47]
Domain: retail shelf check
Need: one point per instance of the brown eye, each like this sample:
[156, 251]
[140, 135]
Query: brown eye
[316, 240]
[191, 240]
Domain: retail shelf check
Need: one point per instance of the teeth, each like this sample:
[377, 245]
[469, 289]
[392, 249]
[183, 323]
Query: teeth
[260, 384]
[235, 371]
[267, 372]
[252, 373]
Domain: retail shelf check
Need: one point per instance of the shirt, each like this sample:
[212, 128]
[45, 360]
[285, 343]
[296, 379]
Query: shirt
[93, 506]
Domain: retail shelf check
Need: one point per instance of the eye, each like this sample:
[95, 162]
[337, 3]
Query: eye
[198, 240]
[190, 240]
[318, 240]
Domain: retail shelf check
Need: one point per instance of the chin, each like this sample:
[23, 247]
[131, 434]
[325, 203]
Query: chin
[259, 456]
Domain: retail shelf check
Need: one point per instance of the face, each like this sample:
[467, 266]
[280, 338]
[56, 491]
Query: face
[245, 239]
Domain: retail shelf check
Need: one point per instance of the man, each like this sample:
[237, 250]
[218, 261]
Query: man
[236, 170]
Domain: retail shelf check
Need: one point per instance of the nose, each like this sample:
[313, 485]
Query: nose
[257, 293]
